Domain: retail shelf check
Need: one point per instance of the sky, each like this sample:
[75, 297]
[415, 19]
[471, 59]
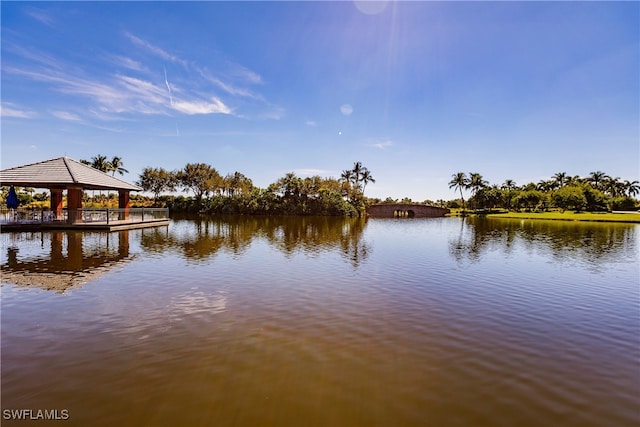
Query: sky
[416, 91]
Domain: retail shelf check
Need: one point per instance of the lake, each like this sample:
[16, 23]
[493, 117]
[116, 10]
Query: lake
[263, 321]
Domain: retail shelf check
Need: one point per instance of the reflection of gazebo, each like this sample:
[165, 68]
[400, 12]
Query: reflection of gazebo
[65, 173]
[74, 258]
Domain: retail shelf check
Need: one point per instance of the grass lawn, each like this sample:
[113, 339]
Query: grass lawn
[572, 216]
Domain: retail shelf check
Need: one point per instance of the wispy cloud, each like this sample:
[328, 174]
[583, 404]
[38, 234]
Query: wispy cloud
[311, 123]
[37, 56]
[40, 16]
[383, 144]
[201, 107]
[128, 86]
[155, 50]
[128, 63]
[65, 115]
[10, 110]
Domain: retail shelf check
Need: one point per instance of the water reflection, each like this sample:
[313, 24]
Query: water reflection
[58, 260]
[202, 237]
[592, 243]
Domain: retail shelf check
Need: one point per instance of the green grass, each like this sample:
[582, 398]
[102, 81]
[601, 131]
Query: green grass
[572, 216]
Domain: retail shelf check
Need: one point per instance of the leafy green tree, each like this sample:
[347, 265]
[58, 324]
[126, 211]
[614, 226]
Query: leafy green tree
[237, 184]
[200, 178]
[528, 199]
[156, 181]
[569, 197]
[596, 200]
[623, 203]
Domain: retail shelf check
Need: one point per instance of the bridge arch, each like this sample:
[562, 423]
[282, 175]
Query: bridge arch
[405, 210]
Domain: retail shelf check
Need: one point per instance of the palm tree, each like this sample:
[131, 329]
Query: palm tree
[357, 173]
[596, 178]
[509, 184]
[560, 178]
[476, 182]
[631, 187]
[366, 178]
[613, 186]
[459, 181]
[547, 185]
[101, 163]
[116, 165]
[359, 177]
[347, 176]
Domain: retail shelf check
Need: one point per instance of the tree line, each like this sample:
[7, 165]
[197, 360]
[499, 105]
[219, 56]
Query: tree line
[595, 192]
[235, 193]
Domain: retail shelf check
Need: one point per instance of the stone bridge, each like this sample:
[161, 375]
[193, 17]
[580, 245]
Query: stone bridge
[398, 210]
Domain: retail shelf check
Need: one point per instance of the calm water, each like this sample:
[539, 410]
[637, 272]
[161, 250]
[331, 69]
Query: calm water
[325, 322]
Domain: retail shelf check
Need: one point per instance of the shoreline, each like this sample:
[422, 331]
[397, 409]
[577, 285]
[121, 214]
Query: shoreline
[627, 217]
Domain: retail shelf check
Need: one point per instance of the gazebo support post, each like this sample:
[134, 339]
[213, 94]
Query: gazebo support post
[74, 204]
[56, 202]
[123, 203]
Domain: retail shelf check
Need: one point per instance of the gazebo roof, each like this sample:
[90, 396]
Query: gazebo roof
[62, 172]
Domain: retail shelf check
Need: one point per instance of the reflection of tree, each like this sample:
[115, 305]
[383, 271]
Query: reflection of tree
[592, 242]
[204, 236]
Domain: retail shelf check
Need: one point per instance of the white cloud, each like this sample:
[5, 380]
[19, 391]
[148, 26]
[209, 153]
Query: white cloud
[10, 110]
[65, 115]
[346, 109]
[201, 107]
[311, 123]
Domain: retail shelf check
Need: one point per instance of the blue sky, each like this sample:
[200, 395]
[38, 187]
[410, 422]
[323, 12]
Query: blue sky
[416, 91]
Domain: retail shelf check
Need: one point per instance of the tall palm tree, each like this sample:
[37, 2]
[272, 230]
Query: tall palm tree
[366, 178]
[459, 181]
[357, 173]
[116, 165]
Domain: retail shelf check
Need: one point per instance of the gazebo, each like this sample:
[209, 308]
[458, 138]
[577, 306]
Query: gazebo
[67, 174]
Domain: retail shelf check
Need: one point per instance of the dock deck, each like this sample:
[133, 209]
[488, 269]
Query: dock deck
[17, 220]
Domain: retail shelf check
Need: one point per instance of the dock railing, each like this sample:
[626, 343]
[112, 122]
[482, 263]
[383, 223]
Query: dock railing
[83, 216]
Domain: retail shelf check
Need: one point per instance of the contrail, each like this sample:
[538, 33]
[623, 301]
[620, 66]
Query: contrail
[166, 81]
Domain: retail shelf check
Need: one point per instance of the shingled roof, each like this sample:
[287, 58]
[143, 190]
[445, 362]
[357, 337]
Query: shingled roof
[62, 172]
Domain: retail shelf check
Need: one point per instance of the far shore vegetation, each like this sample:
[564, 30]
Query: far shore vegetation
[596, 197]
